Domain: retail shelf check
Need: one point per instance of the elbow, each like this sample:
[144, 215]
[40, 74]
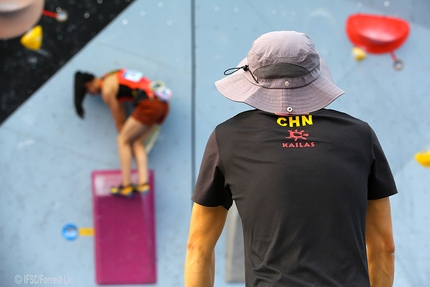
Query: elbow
[196, 251]
[193, 250]
[388, 245]
[383, 247]
[190, 246]
[391, 248]
[387, 249]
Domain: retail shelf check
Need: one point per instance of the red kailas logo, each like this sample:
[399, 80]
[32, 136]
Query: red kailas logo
[296, 135]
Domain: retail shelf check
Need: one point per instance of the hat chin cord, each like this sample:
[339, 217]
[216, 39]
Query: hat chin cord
[245, 68]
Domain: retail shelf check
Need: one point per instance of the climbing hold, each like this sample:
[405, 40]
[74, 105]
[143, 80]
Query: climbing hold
[33, 38]
[423, 158]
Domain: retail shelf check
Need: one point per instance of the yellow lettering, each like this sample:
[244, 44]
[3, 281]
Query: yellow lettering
[307, 120]
[282, 122]
[295, 121]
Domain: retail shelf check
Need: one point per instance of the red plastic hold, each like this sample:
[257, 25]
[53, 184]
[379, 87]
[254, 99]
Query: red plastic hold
[376, 34]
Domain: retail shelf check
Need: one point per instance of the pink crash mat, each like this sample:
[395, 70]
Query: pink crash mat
[124, 232]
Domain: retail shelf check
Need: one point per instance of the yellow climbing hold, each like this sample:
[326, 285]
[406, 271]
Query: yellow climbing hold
[423, 158]
[358, 53]
[33, 38]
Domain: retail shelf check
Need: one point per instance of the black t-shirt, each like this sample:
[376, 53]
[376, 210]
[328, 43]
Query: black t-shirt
[301, 185]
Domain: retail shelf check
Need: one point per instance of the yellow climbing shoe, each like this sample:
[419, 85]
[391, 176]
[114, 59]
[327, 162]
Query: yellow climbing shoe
[142, 188]
[122, 190]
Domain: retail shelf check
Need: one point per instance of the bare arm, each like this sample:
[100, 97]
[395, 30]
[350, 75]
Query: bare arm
[206, 226]
[380, 243]
[109, 90]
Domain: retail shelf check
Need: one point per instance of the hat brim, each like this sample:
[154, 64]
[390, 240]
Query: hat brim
[312, 97]
[80, 92]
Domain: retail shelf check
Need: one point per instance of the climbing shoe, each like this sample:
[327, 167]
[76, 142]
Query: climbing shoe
[142, 188]
[121, 190]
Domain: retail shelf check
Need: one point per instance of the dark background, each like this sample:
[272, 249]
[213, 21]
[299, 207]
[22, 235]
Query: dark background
[23, 71]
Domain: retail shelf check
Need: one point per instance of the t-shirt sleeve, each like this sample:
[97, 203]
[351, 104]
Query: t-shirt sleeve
[381, 181]
[210, 189]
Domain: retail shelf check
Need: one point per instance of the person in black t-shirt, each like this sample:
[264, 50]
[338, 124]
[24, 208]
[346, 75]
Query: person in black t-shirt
[311, 184]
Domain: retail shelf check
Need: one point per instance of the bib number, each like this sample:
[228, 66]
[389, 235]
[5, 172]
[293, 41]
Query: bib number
[133, 76]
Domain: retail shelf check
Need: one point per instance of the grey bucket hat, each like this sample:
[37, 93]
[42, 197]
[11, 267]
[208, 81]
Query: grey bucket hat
[282, 74]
